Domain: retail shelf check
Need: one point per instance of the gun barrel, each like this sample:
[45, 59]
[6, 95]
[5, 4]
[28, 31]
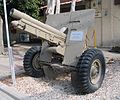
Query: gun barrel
[20, 15]
[38, 31]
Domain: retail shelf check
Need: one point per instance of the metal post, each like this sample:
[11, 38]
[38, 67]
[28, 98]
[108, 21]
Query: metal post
[95, 39]
[9, 47]
[1, 36]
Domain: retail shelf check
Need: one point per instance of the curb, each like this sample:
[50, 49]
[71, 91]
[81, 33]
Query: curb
[12, 92]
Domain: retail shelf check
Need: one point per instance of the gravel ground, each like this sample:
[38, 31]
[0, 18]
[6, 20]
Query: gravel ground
[61, 89]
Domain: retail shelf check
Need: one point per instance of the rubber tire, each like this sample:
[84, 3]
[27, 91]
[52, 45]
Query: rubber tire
[81, 78]
[27, 63]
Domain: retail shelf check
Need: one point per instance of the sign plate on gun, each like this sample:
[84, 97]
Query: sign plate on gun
[76, 36]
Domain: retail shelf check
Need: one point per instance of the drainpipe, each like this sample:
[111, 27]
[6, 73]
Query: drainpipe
[51, 4]
[57, 7]
[73, 5]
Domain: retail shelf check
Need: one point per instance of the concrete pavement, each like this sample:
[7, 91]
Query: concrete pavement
[18, 53]
[5, 68]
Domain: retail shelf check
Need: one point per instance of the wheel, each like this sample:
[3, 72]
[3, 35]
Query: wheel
[31, 62]
[90, 72]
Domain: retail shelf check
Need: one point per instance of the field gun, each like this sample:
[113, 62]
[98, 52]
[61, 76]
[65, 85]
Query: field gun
[63, 38]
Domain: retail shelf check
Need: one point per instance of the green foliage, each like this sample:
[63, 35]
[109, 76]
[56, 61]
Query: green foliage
[31, 7]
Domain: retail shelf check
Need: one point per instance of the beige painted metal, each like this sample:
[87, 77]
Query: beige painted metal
[43, 31]
[20, 15]
[39, 31]
[80, 23]
[70, 47]
[59, 49]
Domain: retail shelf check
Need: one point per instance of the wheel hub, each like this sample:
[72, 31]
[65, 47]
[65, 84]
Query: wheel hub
[35, 62]
[95, 72]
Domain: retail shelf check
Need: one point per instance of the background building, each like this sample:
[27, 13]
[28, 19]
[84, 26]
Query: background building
[107, 22]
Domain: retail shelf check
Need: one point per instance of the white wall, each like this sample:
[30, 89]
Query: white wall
[115, 13]
[107, 35]
[108, 24]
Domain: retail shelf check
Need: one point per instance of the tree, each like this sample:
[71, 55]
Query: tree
[30, 7]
